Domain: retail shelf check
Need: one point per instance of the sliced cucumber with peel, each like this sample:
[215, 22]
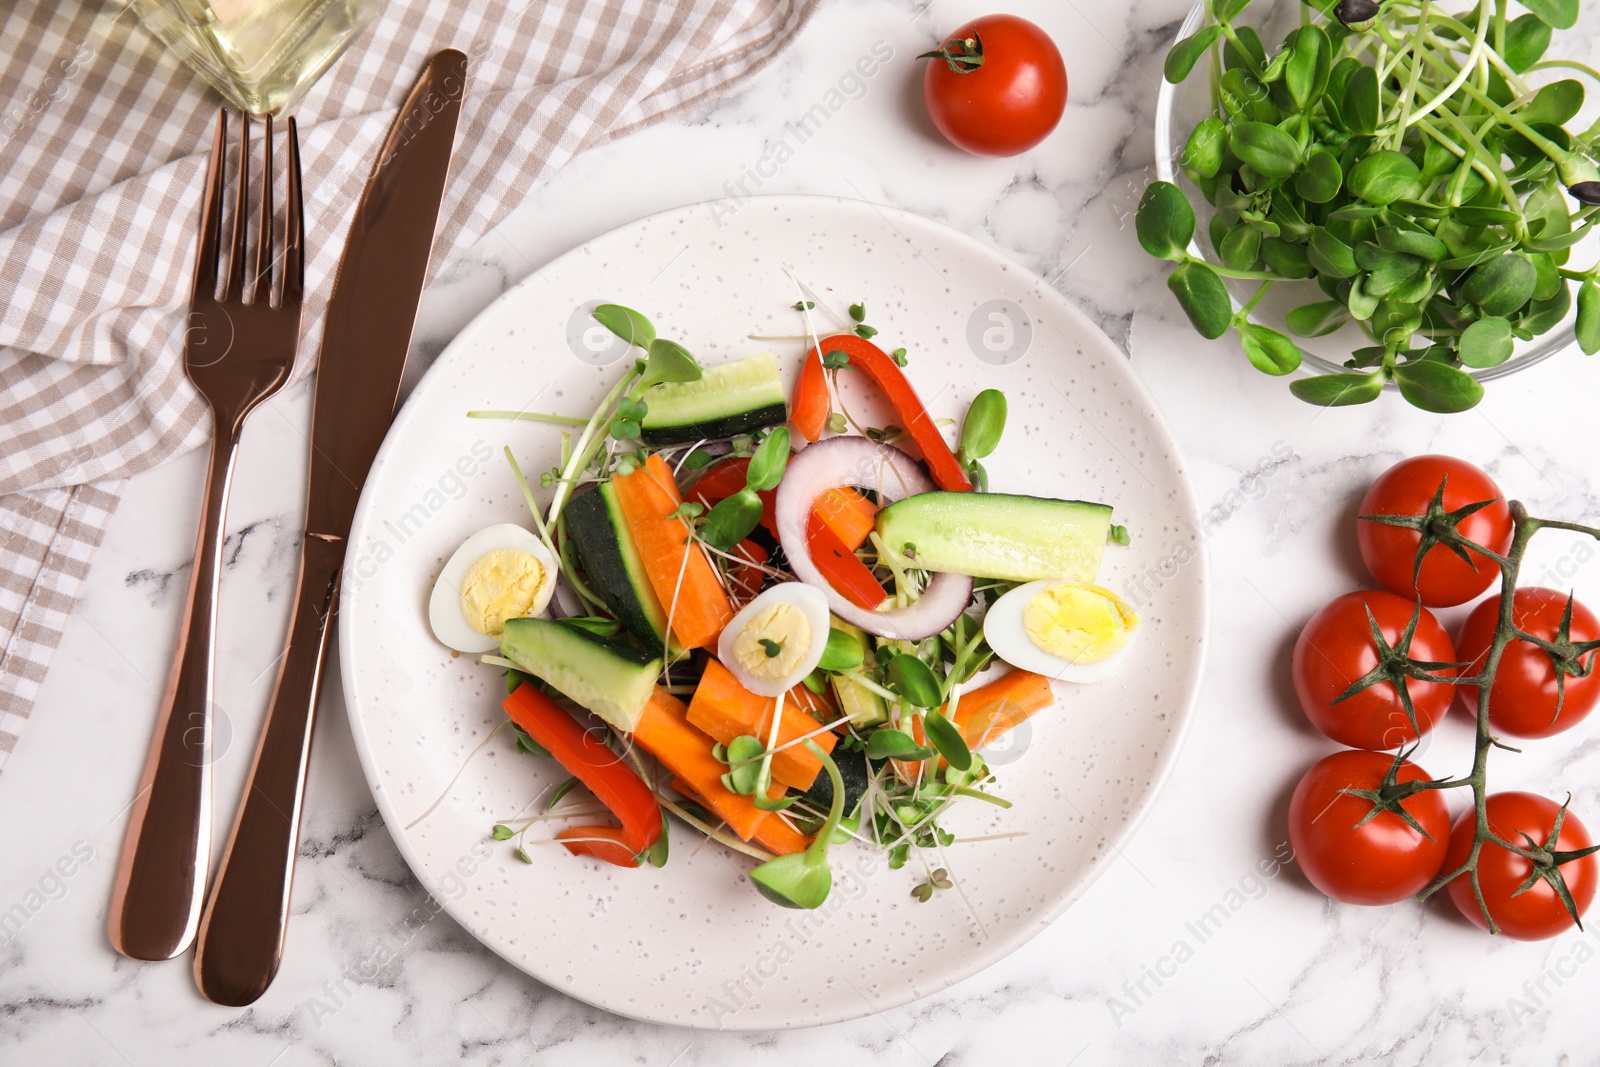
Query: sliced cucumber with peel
[611, 679]
[727, 400]
[997, 535]
[611, 560]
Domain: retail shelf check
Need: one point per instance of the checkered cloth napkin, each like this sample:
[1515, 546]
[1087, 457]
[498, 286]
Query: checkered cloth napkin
[103, 142]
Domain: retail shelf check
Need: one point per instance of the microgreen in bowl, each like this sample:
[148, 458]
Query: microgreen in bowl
[1397, 157]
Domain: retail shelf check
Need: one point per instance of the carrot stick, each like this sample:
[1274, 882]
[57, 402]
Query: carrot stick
[989, 712]
[772, 833]
[683, 578]
[779, 838]
[685, 752]
[847, 513]
[725, 709]
[817, 705]
[985, 714]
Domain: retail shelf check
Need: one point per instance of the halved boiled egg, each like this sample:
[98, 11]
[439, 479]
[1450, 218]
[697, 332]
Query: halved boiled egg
[1071, 631]
[776, 639]
[503, 572]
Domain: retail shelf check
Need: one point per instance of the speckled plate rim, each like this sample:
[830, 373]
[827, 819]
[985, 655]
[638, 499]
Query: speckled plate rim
[1072, 887]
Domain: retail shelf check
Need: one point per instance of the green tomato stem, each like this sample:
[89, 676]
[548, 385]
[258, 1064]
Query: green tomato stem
[1524, 528]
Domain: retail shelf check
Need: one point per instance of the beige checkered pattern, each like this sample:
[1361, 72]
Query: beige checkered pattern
[102, 153]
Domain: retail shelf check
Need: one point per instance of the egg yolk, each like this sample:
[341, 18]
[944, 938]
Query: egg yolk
[773, 643]
[1078, 623]
[500, 585]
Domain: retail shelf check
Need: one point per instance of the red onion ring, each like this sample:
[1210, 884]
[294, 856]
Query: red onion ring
[858, 461]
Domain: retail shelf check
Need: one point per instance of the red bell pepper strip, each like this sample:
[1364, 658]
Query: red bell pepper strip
[847, 574]
[606, 775]
[720, 481]
[877, 365]
[728, 478]
[809, 412]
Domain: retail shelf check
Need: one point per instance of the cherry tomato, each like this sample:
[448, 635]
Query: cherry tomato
[1336, 650]
[1538, 913]
[1524, 698]
[1381, 861]
[1408, 489]
[996, 87]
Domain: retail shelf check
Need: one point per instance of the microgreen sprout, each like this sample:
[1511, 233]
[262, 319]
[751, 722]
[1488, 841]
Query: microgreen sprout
[560, 792]
[843, 652]
[525, 743]
[735, 517]
[939, 879]
[630, 414]
[1428, 200]
[803, 879]
[980, 434]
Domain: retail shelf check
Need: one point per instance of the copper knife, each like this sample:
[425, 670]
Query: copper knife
[370, 318]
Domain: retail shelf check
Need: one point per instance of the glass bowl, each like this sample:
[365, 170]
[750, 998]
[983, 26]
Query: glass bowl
[1179, 108]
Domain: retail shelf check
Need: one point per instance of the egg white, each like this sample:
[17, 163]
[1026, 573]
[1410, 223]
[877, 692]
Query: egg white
[1003, 629]
[449, 625]
[812, 603]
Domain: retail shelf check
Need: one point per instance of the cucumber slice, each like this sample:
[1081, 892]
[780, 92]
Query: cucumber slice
[611, 560]
[995, 535]
[611, 679]
[727, 400]
[859, 704]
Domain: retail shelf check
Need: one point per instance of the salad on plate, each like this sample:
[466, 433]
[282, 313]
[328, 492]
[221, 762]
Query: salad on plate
[747, 610]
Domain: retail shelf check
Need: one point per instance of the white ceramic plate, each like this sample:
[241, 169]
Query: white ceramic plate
[693, 944]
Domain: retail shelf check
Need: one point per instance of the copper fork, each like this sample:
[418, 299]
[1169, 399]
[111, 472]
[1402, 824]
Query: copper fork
[238, 351]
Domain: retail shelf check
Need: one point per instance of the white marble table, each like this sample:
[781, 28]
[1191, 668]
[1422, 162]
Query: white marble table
[372, 975]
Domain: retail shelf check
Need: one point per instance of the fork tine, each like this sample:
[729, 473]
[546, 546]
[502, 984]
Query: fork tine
[206, 250]
[261, 280]
[241, 216]
[294, 253]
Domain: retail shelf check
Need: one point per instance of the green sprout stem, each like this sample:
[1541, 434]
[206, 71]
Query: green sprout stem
[1525, 527]
[589, 443]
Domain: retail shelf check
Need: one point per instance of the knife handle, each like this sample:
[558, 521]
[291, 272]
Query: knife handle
[166, 852]
[241, 932]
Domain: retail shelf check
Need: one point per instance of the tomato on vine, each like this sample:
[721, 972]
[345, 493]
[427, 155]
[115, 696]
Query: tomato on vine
[1365, 831]
[1367, 669]
[1406, 511]
[1536, 692]
[996, 87]
[1528, 899]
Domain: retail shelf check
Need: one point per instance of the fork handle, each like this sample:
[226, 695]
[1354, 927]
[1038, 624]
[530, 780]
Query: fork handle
[166, 852]
[241, 932]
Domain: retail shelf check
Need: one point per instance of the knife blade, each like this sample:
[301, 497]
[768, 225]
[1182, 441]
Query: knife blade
[374, 304]
[370, 319]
